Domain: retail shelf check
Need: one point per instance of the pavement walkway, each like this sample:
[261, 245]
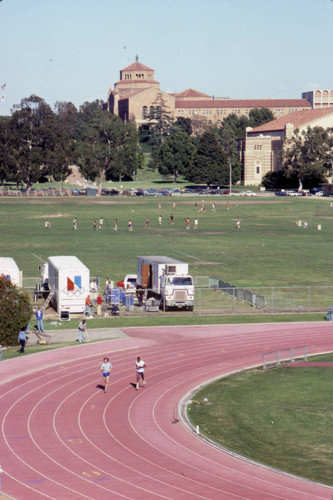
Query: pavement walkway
[71, 335]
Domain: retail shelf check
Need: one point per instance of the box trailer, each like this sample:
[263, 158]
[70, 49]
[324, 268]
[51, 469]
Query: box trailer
[167, 279]
[69, 282]
[10, 270]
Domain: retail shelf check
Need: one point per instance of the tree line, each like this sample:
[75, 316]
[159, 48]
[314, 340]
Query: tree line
[38, 143]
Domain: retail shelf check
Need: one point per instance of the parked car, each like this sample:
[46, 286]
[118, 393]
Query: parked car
[248, 193]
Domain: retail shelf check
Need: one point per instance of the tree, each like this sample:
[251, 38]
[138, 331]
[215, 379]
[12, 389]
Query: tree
[183, 125]
[175, 154]
[156, 128]
[15, 311]
[6, 160]
[227, 139]
[308, 156]
[106, 146]
[259, 116]
[210, 163]
[67, 117]
[35, 140]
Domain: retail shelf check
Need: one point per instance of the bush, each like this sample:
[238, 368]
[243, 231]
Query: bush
[15, 311]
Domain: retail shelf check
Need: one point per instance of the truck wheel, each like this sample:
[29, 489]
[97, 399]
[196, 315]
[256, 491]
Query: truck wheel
[191, 308]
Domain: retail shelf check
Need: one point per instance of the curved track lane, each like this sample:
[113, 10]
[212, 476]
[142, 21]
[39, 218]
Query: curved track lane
[63, 438]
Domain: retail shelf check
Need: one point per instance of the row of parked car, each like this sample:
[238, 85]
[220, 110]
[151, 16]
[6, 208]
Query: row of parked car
[317, 191]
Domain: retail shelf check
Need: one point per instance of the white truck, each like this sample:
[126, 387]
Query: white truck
[68, 280]
[10, 270]
[167, 279]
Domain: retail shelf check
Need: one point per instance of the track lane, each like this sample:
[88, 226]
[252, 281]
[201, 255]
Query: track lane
[130, 444]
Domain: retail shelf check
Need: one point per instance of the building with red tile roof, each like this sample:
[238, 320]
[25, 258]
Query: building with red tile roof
[135, 95]
[262, 145]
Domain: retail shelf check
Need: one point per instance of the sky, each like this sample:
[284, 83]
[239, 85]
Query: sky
[73, 50]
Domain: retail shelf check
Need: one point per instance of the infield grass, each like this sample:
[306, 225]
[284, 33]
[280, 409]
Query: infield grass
[280, 417]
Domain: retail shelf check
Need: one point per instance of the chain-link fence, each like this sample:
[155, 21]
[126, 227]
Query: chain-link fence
[217, 297]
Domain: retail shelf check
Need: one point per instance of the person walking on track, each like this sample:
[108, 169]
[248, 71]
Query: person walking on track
[140, 372]
[106, 367]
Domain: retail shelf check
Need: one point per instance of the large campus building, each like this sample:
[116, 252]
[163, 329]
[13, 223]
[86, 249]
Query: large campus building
[137, 94]
[262, 145]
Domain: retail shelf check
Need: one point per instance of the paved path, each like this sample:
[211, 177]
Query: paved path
[64, 438]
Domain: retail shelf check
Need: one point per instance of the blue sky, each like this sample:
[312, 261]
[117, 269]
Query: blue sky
[72, 50]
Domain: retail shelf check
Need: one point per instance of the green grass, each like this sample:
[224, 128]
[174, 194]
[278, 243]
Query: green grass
[269, 250]
[280, 417]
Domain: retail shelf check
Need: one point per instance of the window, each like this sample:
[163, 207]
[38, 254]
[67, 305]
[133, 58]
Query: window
[144, 112]
[151, 112]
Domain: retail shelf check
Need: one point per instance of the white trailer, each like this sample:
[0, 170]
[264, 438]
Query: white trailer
[10, 270]
[69, 281]
[167, 279]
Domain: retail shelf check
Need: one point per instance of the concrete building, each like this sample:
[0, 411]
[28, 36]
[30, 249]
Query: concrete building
[319, 98]
[262, 145]
[137, 94]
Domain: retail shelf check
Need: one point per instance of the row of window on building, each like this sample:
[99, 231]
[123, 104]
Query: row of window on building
[153, 112]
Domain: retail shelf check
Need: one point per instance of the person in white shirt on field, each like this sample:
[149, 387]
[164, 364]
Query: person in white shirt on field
[140, 372]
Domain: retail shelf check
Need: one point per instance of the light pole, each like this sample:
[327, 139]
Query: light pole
[230, 177]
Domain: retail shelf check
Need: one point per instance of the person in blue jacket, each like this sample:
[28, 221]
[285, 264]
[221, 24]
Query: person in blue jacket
[22, 338]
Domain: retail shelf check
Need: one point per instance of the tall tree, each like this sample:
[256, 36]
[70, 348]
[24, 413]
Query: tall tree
[36, 148]
[308, 155]
[175, 154]
[67, 117]
[6, 160]
[227, 139]
[210, 163]
[106, 146]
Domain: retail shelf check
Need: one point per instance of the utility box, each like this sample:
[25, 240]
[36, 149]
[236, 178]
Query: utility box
[9, 269]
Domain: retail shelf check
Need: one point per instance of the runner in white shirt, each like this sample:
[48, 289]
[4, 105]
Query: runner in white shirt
[106, 367]
[140, 371]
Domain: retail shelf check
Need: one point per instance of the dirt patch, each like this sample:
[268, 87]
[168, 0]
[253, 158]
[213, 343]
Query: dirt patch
[50, 216]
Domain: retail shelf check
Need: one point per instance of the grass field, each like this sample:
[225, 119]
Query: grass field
[280, 417]
[268, 250]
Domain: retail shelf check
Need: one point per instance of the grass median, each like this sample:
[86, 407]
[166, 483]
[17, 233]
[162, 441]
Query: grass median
[280, 417]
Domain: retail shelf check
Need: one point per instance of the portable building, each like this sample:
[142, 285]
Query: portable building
[69, 280]
[10, 270]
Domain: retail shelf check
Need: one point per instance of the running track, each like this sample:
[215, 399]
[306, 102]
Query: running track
[63, 438]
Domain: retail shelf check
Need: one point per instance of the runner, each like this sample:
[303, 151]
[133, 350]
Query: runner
[106, 367]
[140, 372]
[147, 225]
[129, 225]
[100, 223]
[116, 225]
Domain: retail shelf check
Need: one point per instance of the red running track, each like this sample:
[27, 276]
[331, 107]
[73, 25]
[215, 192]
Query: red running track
[63, 438]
